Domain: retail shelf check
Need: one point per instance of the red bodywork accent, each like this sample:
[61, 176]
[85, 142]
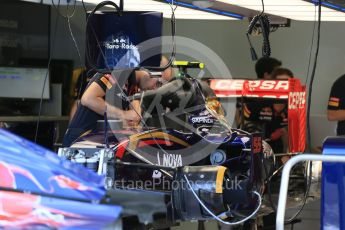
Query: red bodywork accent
[292, 90]
[8, 180]
[250, 88]
[154, 142]
[23, 211]
[121, 149]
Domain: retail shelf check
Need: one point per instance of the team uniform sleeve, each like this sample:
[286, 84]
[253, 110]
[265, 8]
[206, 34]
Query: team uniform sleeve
[251, 111]
[337, 97]
[104, 83]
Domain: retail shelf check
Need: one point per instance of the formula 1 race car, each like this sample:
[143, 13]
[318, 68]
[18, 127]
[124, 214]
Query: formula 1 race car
[197, 169]
[230, 166]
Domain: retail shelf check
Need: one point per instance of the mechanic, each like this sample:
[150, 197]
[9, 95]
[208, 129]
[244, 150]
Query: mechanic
[78, 91]
[276, 129]
[271, 116]
[263, 68]
[276, 132]
[93, 104]
[336, 105]
[146, 82]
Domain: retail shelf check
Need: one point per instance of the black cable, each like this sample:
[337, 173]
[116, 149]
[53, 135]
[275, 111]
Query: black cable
[252, 50]
[264, 22]
[263, 7]
[308, 111]
[268, 180]
[311, 46]
[88, 26]
[265, 26]
[85, 10]
[45, 79]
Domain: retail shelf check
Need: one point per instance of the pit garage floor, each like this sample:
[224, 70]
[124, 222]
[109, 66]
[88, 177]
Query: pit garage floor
[310, 219]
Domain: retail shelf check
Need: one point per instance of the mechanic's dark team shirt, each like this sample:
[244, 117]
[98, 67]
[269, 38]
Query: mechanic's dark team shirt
[275, 120]
[337, 101]
[85, 120]
[270, 120]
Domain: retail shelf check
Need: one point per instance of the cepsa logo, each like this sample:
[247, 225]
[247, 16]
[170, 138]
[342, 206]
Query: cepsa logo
[257, 144]
[296, 100]
[225, 85]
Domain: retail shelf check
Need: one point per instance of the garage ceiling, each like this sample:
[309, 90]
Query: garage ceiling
[332, 10]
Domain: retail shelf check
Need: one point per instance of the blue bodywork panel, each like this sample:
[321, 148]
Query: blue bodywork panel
[333, 186]
[38, 189]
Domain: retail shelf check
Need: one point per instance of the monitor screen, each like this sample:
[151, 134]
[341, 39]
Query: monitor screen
[23, 83]
[120, 38]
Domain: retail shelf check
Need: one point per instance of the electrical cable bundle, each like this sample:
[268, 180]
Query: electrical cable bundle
[264, 22]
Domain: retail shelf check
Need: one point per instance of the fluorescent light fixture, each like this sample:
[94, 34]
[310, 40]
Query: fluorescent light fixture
[293, 9]
[49, 2]
[182, 12]
[220, 12]
[333, 6]
[34, 1]
[203, 3]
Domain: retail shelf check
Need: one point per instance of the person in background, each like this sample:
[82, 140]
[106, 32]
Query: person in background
[263, 68]
[336, 104]
[281, 73]
[276, 132]
[276, 129]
